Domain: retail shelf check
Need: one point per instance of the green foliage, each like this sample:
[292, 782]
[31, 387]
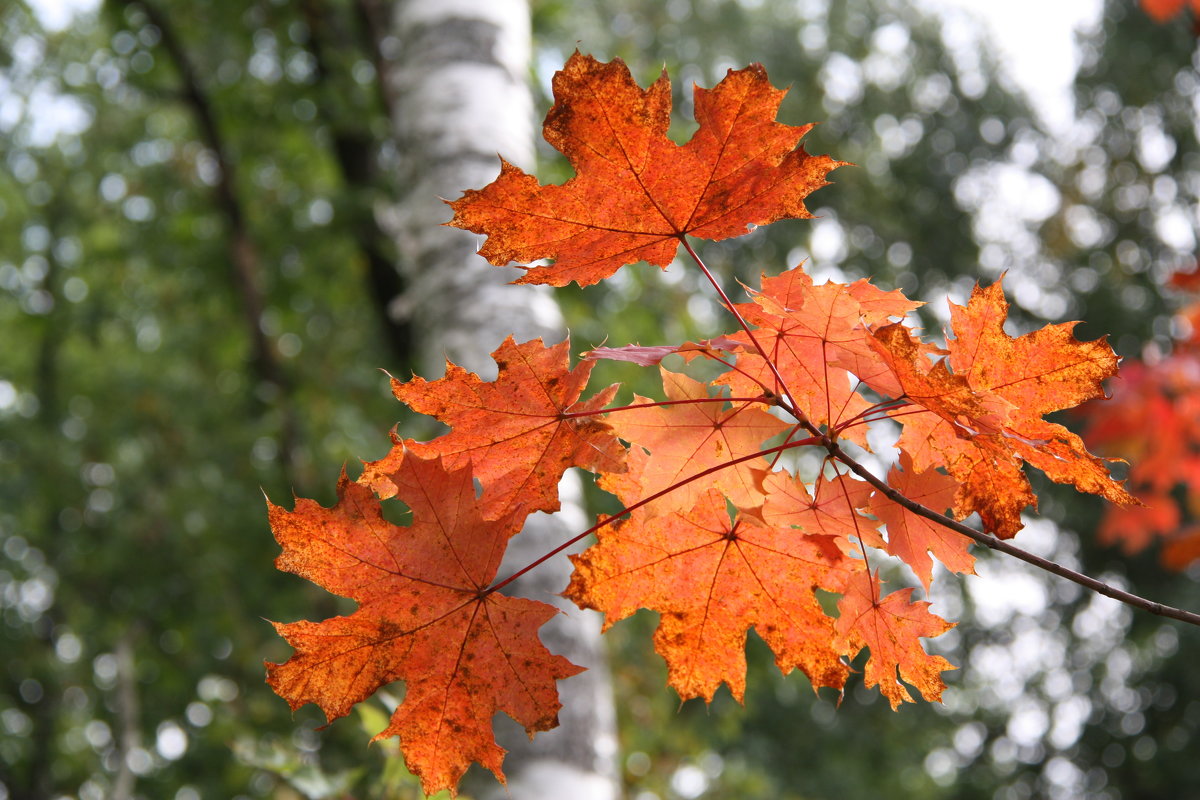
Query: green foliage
[135, 421]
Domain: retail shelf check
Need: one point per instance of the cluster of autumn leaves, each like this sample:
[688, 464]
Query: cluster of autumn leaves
[1153, 418]
[715, 535]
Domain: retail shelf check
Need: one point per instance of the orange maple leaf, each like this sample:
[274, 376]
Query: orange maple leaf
[636, 193]
[1042, 371]
[910, 536]
[520, 432]
[983, 408]
[424, 616]
[807, 332]
[833, 512]
[712, 578]
[686, 438]
[891, 628]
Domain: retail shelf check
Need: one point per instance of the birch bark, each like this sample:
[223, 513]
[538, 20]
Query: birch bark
[459, 82]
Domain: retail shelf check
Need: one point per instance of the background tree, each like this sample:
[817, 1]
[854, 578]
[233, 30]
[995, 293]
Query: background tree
[461, 95]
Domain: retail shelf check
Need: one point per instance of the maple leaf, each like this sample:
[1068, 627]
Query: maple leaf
[956, 428]
[891, 628]
[806, 332]
[686, 438]
[1153, 418]
[1043, 371]
[636, 193]
[833, 512]
[711, 579]
[983, 406]
[424, 617]
[1186, 280]
[911, 536]
[520, 432]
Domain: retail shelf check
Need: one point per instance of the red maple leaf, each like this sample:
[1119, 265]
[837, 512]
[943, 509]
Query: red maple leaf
[1183, 548]
[519, 432]
[1153, 418]
[1164, 10]
[636, 193]
[425, 617]
[1136, 527]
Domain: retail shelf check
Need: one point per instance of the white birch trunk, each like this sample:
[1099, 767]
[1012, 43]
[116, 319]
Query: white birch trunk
[461, 99]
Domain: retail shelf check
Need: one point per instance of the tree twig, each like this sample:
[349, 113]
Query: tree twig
[999, 545]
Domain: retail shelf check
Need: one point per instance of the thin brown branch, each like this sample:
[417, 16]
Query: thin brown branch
[999, 545]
